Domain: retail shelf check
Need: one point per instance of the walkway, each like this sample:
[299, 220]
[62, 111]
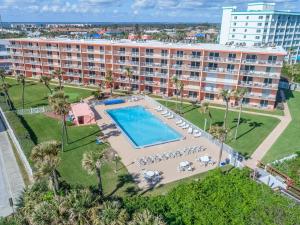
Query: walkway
[11, 181]
[265, 146]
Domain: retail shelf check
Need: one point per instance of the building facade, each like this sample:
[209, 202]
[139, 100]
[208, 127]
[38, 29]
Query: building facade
[5, 63]
[262, 25]
[203, 68]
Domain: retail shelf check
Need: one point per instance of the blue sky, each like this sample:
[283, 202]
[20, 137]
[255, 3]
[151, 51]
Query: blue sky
[123, 10]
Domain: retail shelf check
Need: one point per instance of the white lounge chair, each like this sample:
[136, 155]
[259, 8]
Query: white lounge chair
[182, 124]
[190, 130]
[164, 112]
[158, 108]
[171, 116]
[186, 126]
[197, 133]
[179, 121]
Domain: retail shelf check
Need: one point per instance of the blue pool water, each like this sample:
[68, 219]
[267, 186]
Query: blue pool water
[141, 127]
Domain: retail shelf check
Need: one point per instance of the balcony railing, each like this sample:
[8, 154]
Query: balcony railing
[221, 59]
[70, 49]
[262, 62]
[258, 84]
[220, 70]
[259, 74]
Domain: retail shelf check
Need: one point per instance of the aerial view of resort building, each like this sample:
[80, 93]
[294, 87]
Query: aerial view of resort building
[148, 116]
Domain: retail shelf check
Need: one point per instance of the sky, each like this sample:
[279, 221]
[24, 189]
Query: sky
[194, 11]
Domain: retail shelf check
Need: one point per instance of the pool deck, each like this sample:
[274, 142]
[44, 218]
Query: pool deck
[168, 168]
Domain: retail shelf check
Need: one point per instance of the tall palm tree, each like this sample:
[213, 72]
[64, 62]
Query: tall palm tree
[60, 105]
[22, 81]
[180, 89]
[175, 81]
[206, 110]
[220, 134]
[46, 81]
[2, 75]
[4, 89]
[46, 160]
[59, 74]
[225, 94]
[92, 163]
[109, 81]
[111, 213]
[239, 95]
[128, 73]
[146, 218]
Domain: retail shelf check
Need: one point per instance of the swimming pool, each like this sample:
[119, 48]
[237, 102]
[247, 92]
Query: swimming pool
[142, 128]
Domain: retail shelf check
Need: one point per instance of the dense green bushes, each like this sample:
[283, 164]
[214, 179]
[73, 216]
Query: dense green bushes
[221, 199]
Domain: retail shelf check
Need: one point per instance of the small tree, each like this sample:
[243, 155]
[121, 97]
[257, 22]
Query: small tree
[220, 134]
[175, 81]
[204, 109]
[225, 94]
[92, 163]
[109, 80]
[128, 74]
[181, 88]
[2, 75]
[46, 160]
[60, 105]
[239, 95]
[59, 74]
[46, 81]
[22, 81]
[4, 89]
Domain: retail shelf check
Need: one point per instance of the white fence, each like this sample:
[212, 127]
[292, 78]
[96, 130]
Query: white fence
[235, 157]
[37, 110]
[17, 144]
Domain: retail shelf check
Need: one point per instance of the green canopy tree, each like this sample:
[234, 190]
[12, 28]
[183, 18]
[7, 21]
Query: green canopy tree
[4, 89]
[59, 74]
[2, 75]
[46, 81]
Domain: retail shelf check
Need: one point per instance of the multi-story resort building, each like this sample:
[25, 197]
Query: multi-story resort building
[203, 68]
[4, 56]
[262, 25]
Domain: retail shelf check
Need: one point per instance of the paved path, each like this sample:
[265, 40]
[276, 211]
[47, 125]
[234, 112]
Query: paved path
[265, 146]
[11, 181]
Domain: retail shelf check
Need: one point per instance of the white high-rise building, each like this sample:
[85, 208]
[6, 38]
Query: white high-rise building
[261, 25]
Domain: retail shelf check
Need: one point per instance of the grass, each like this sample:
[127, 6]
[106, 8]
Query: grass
[36, 94]
[276, 112]
[291, 168]
[33, 129]
[289, 141]
[253, 129]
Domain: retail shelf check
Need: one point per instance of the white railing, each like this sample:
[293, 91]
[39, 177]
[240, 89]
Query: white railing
[235, 157]
[17, 145]
[37, 110]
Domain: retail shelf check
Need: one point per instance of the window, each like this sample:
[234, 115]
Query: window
[260, 17]
[231, 55]
[233, 30]
[258, 30]
[257, 37]
[272, 58]
[245, 36]
[235, 17]
[245, 30]
[230, 67]
[259, 24]
[164, 52]
[179, 53]
[233, 36]
[196, 54]
[246, 24]
[195, 64]
[234, 24]
[247, 17]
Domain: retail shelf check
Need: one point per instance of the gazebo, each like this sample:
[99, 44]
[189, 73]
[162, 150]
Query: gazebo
[82, 114]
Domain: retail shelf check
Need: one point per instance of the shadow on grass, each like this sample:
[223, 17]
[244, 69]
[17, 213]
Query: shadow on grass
[89, 135]
[288, 94]
[242, 121]
[124, 179]
[253, 125]
[79, 146]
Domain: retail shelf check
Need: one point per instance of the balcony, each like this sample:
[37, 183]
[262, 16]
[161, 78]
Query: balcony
[16, 46]
[74, 74]
[50, 48]
[72, 66]
[258, 84]
[209, 89]
[261, 96]
[96, 60]
[16, 53]
[32, 62]
[262, 62]
[50, 56]
[220, 70]
[214, 80]
[259, 74]
[31, 55]
[51, 64]
[31, 47]
[222, 60]
[70, 49]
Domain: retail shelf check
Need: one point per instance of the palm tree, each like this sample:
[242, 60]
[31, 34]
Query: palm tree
[117, 159]
[60, 105]
[128, 73]
[4, 89]
[175, 81]
[111, 213]
[46, 160]
[2, 75]
[181, 88]
[146, 218]
[109, 80]
[293, 71]
[225, 94]
[205, 110]
[220, 134]
[46, 81]
[239, 95]
[92, 163]
[59, 74]
[22, 81]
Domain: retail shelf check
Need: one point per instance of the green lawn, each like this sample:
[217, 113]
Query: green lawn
[34, 129]
[289, 141]
[252, 130]
[36, 94]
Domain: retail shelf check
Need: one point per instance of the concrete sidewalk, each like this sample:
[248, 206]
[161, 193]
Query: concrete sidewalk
[11, 181]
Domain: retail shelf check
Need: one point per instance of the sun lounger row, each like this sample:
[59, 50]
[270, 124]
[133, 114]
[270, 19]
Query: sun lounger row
[147, 160]
[134, 99]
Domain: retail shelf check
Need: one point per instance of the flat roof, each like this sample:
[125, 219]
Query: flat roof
[160, 44]
[81, 109]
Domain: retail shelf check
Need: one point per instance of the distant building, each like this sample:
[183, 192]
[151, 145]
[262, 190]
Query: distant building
[261, 25]
[4, 56]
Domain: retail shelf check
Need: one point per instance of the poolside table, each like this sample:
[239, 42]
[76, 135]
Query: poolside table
[149, 174]
[205, 159]
[184, 164]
